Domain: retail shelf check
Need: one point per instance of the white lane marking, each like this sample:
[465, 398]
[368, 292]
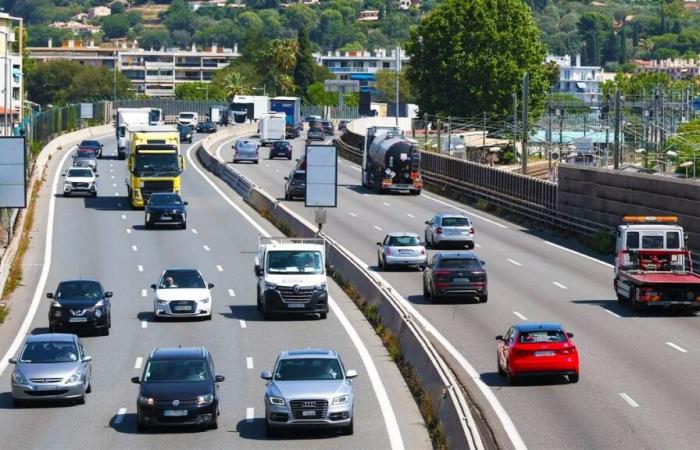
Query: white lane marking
[611, 313]
[365, 194]
[353, 214]
[578, 253]
[231, 293]
[519, 316]
[267, 165]
[277, 171]
[116, 194]
[219, 268]
[134, 248]
[411, 215]
[112, 176]
[356, 168]
[206, 248]
[124, 216]
[144, 293]
[249, 362]
[629, 400]
[390, 421]
[676, 347]
[243, 324]
[120, 416]
[111, 170]
[559, 285]
[469, 213]
[114, 184]
[140, 267]
[377, 228]
[144, 324]
[139, 361]
[111, 164]
[194, 230]
[249, 414]
[385, 204]
[477, 245]
[128, 231]
[512, 261]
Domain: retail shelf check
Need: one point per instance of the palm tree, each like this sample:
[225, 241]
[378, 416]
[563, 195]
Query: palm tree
[235, 84]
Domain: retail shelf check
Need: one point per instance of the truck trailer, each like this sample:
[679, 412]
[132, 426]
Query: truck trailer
[272, 128]
[247, 108]
[390, 162]
[134, 117]
[291, 107]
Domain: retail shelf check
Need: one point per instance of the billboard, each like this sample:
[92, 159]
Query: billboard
[13, 172]
[86, 111]
[321, 176]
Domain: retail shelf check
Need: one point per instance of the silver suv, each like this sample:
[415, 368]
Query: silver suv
[449, 228]
[308, 388]
[401, 249]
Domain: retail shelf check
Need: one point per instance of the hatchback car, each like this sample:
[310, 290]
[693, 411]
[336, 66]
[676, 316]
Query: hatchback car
[309, 388]
[165, 208]
[80, 304]
[295, 185]
[186, 132]
[401, 249]
[245, 150]
[449, 228]
[179, 386]
[537, 349]
[327, 127]
[456, 275]
[94, 145]
[85, 157]
[182, 293]
[206, 127]
[80, 180]
[281, 149]
[51, 367]
[315, 134]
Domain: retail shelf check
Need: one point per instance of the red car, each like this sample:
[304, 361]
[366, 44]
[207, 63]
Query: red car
[537, 349]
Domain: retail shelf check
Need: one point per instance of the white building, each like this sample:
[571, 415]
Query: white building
[99, 11]
[677, 69]
[360, 65]
[580, 81]
[11, 83]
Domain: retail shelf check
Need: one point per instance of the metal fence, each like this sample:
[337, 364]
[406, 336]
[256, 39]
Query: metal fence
[42, 126]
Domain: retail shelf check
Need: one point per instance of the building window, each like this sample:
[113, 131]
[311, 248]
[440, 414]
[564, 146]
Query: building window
[386, 65]
[373, 63]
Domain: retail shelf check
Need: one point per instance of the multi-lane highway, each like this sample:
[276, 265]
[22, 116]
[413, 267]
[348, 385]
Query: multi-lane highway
[636, 389]
[102, 238]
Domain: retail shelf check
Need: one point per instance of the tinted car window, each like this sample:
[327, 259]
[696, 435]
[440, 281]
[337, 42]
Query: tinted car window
[673, 240]
[181, 279]
[652, 242]
[294, 261]
[49, 352]
[459, 263]
[539, 337]
[80, 173]
[403, 241]
[308, 369]
[165, 200]
[89, 144]
[633, 239]
[79, 289]
[176, 370]
[299, 176]
[85, 153]
[455, 221]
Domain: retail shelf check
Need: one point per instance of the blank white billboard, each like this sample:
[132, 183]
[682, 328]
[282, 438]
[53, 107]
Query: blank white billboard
[13, 172]
[321, 176]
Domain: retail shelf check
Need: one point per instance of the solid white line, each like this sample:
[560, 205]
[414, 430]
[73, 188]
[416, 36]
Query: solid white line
[377, 228]
[385, 204]
[194, 230]
[111, 170]
[512, 261]
[116, 194]
[231, 293]
[144, 293]
[249, 414]
[124, 216]
[611, 313]
[590, 258]
[557, 284]
[138, 363]
[267, 165]
[134, 248]
[629, 400]
[120, 416]
[677, 347]
[519, 316]
[128, 231]
[277, 171]
[114, 184]
[219, 268]
[411, 215]
[243, 324]
[112, 176]
[144, 324]
[353, 214]
[111, 164]
[206, 248]
[249, 362]
[366, 194]
[356, 168]
[469, 213]
[140, 267]
[477, 245]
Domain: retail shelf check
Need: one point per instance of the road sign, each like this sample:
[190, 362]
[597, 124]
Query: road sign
[321, 176]
[13, 172]
[86, 111]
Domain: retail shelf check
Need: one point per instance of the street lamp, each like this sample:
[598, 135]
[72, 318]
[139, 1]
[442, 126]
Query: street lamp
[206, 89]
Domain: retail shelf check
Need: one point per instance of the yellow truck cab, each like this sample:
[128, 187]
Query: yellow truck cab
[155, 163]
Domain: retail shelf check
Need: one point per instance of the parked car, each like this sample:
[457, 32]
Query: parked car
[327, 127]
[80, 304]
[165, 208]
[281, 148]
[315, 134]
[401, 249]
[186, 132]
[206, 127]
[85, 157]
[80, 180]
[309, 388]
[460, 275]
[449, 228]
[531, 349]
[182, 292]
[295, 185]
[94, 145]
[246, 150]
[178, 387]
[51, 367]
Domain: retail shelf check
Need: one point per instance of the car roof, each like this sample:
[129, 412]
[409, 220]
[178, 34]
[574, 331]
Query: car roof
[452, 214]
[160, 194]
[51, 337]
[78, 280]
[180, 269]
[89, 142]
[538, 326]
[309, 353]
[458, 255]
[402, 234]
[178, 353]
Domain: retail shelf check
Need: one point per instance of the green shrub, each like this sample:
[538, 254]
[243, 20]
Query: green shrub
[603, 242]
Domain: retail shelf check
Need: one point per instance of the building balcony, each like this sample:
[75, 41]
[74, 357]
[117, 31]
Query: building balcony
[160, 92]
[189, 79]
[353, 69]
[159, 78]
[188, 64]
[159, 65]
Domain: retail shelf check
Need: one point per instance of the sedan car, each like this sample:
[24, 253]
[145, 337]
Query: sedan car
[530, 349]
[165, 208]
[315, 134]
[449, 228]
[80, 180]
[51, 367]
[182, 293]
[85, 157]
[186, 132]
[456, 275]
[281, 149]
[245, 150]
[80, 304]
[178, 387]
[91, 144]
[309, 388]
[401, 249]
[295, 185]
[206, 127]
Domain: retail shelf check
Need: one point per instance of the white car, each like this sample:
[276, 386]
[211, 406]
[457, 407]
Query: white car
[246, 150]
[188, 118]
[449, 229]
[80, 180]
[401, 249]
[182, 292]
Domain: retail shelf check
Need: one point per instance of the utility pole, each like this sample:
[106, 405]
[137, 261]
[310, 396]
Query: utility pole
[398, 73]
[526, 96]
[449, 133]
[439, 135]
[606, 109]
[515, 125]
[549, 137]
[618, 123]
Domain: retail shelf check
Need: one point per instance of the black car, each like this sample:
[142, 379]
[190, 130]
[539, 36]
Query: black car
[327, 127]
[206, 127]
[186, 132]
[281, 148]
[80, 304]
[179, 387]
[94, 145]
[295, 185]
[456, 275]
[343, 125]
[165, 208]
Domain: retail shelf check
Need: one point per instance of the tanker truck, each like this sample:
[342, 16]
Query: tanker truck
[390, 162]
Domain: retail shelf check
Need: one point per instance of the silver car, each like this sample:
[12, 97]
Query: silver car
[449, 228]
[401, 249]
[308, 388]
[245, 150]
[85, 158]
[51, 367]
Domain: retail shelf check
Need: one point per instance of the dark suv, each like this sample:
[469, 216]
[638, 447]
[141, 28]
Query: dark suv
[281, 148]
[179, 387]
[295, 185]
[79, 304]
[165, 208]
[186, 132]
[459, 275]
[327, 126]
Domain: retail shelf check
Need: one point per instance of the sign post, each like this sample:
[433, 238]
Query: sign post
[321, 180]
[86, 112]
[13, 172]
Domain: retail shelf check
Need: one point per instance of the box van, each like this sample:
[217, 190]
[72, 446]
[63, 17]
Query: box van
[188, 118]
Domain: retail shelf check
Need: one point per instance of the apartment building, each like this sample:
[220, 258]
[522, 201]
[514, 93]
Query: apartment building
[360, 65]
[677, 69]
[11, 83]
[580, 81]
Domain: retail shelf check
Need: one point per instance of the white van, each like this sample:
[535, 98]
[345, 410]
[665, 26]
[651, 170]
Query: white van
[188, 118]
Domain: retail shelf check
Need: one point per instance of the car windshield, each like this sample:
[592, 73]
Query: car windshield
[49, 352]
[246, 146]
[157, 164]
[542, 337]
[459, 263]
[165, 200]
[403, 241]
[455, 222]
[294, 261]
[315, 130]
[79, 173]
[89, 144]
[308, 369]
[176, 371]
[186, 115]
[85, 154]
[79, 290]
[182, 279]
[186, 129]
[299, 176]
[281, 145]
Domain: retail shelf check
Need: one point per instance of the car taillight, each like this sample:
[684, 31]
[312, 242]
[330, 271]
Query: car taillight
[471, 230]
[387, 251]
[442, 275]
[422, 251]
[439, 230]
[567, 351]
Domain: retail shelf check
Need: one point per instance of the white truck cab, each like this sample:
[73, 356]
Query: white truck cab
[649, 233]
[292, 277]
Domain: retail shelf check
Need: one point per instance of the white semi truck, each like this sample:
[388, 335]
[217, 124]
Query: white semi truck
[272, 128]
[134, 117]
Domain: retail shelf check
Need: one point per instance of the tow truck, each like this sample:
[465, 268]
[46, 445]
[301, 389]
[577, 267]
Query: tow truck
[653, 266]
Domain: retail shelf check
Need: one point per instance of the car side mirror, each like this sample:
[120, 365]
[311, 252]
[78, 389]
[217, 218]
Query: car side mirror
[427, 222]
[49, 295]
[153, 286]
[219, 379]
[571, 335]
[379, 243]
[109, 294]
[483, 262]
[136, 380]
[210, 285]
[422, 243]
[266, 375]
[351, 374]
[63, 175]
[258, 271]
[12, 360]
[87, 358]
[185, 203]
[499, 337]
[97, 175]
[286, 178]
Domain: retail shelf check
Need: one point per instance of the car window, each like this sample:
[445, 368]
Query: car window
[673, 240]
[308, 369]
[165, 200]
[49, 352]
[632, 239]
[186, 115]
[85, 154]
[78, 290]
[180, 279]
[434, 261]
[540, 337]
[459, 263]
[652, 241]
[294, 261]
[299, 176]
[455, 222]
[403, 241]
[80, 173]
[176, 370]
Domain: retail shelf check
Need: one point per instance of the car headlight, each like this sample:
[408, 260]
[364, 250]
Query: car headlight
[161, 302]
[270, 286]
[189, 135]
[18, 378]
[75, 377]
[205, 399]
[343, 399]
[99, 304]
[56, 304]
[277, 401]
[320, 287]
[204, 300]
[150, 401]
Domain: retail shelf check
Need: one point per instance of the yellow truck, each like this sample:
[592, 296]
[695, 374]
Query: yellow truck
[155, 163]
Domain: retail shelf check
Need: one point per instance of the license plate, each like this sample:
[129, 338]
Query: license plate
[308, 413]
[544, 353]
[166, 218]
[460, 280]
[77, 319]
[295, 305]
[175, 412]
[182, 308]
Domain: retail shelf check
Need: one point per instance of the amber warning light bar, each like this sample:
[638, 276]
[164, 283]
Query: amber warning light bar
[650, 219]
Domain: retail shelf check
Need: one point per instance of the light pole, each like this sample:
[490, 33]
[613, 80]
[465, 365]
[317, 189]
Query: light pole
[398, 73]
[206, 91]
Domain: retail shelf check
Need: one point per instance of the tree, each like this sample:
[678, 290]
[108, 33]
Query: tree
[594, 28]
[300, 16]
[117, 7]
[622, 52]
[462, 70]
[180, 17]
[154, 38]
[198, 91]
[304, 68]
[612, 45]
[552, 70]
[97, 83]
[115, 26]
[317, 95]
[235, 83]
[385, 85]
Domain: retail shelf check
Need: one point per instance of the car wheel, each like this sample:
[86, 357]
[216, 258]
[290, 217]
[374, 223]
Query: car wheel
[146, 225]
[94, 194]
[483, 298]
[470, 245]
[235, 161]
[214, 425]
[140, 426]
[155, 316]
[271, 431]
[53, 328]
[208, 317]
[286, 196]
[88, 390]
[184, 225]
[323, 315]
[573, 378]
[267, 315]
[80, 400]
[350, 429]
[511, 378]
[104, 331]
[66, 194]
[289, 157]
[426, 294]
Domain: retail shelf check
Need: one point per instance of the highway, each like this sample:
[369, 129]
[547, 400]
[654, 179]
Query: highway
[636, 388]
[104, 239]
